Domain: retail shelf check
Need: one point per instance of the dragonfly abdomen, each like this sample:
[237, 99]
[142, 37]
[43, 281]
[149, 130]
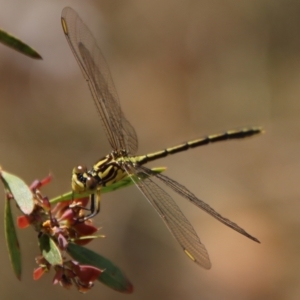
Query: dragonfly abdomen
[228, 135]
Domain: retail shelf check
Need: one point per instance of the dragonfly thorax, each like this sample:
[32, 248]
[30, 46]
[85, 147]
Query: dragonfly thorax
[108, 170]
[105, 172]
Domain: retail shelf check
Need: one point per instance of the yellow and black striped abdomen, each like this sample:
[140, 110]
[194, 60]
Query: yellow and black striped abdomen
[228, 135]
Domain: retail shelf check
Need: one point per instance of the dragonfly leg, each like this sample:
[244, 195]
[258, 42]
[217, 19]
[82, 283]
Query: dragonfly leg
[95, 206]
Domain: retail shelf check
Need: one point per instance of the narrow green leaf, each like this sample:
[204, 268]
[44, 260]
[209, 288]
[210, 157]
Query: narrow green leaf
[112, 275]
[125, 182]
[49, 250]
[20, 191]
[16, 44]
[12, 240]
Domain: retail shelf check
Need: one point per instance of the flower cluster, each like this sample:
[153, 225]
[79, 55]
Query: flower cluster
[63, 231]
[61, 225]
[69, 273]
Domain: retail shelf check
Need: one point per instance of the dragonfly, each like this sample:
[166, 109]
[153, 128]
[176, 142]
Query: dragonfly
[123, 162]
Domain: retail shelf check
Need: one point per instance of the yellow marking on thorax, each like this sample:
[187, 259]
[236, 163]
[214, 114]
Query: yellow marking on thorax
[104, 174]
[98, 165]
[119, 175]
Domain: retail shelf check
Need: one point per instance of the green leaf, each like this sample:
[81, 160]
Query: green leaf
[112, 275]
[125, 182]
[16, 44]
[49, 250]
[12, 240]
[20, 191]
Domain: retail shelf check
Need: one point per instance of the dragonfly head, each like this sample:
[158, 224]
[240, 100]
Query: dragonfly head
[82, 181]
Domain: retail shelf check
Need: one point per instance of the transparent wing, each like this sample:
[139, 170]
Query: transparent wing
[120, 133]
[171, 214]
[183, 191]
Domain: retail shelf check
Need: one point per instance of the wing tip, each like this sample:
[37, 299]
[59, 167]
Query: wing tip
[204, 263]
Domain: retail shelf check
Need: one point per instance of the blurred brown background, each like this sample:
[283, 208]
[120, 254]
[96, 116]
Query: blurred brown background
[182, 69]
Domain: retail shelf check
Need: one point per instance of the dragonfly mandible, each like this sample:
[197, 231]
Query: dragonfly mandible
[122, 161]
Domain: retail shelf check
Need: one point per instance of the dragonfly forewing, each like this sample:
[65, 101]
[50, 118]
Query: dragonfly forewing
[95, 70]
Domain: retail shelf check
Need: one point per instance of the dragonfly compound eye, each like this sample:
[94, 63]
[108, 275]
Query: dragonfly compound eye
[79, 170]
[91, 183]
